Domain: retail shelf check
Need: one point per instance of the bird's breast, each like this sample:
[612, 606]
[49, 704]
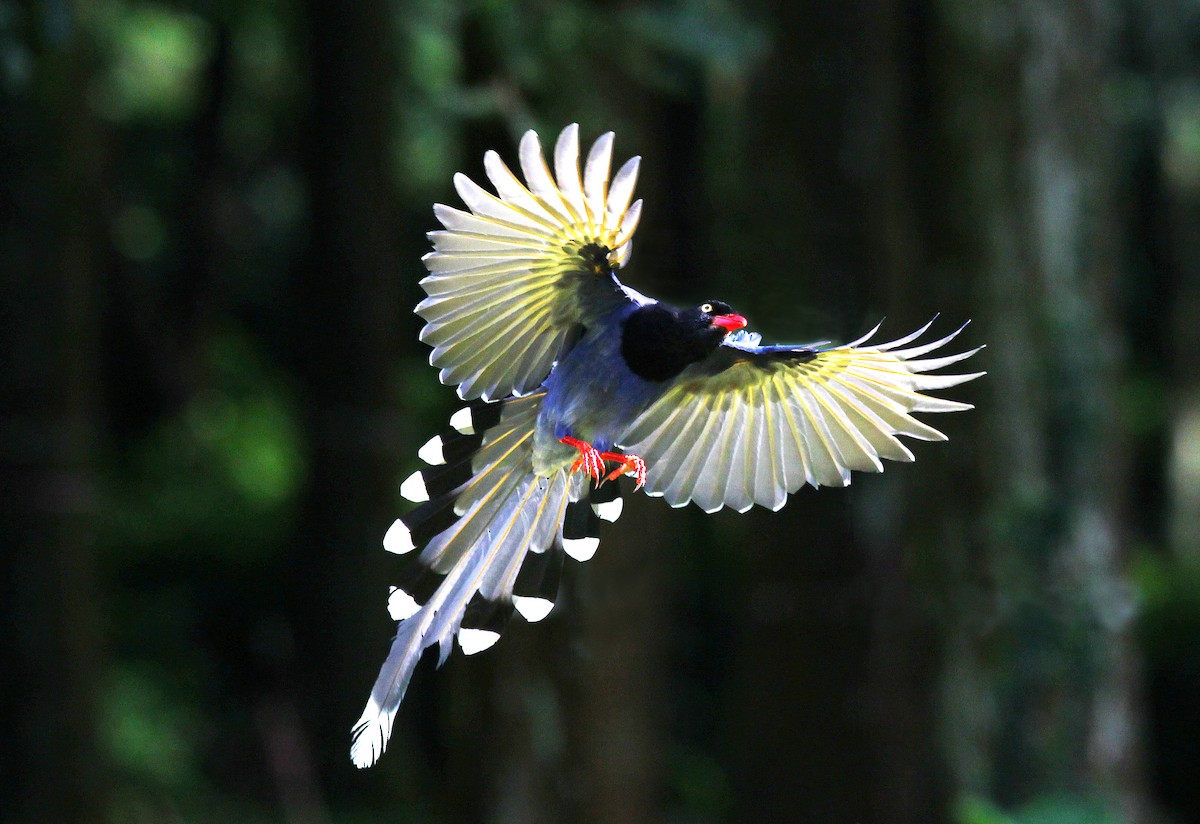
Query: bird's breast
[591, 395]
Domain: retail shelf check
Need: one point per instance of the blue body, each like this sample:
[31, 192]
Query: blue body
[591, 394]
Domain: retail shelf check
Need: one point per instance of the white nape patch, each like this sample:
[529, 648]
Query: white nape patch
[401, 605]
[431, 452]
[476, 640]
[413, 489]
[581, 549]
[609, 510]
[398, 538]
[533, 609]
[461, 420]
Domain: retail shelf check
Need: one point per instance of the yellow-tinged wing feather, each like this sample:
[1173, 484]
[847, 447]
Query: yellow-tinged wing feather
[752, 424]
[510, 284]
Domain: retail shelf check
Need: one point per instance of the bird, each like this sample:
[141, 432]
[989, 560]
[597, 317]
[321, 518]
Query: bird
[573, 379]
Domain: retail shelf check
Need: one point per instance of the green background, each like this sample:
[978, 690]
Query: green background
[211, 221]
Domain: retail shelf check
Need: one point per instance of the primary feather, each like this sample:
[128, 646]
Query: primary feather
[509, 284]
[525, 313]
[788, 416]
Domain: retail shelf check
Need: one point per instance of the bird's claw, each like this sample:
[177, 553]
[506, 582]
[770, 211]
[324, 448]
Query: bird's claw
[631, 465]
[589, 459]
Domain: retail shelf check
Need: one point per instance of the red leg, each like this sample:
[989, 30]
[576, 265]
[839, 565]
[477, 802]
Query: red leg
[630, 465]
[589, 459]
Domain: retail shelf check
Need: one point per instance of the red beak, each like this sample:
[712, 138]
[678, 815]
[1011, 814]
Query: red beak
[731, 323]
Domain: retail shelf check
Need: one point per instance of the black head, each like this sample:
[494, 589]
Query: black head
[715, 315]
[659, 341]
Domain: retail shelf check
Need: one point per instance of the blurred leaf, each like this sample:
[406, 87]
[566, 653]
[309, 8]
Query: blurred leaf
[16, 60]
[1144, 404]
[148, 731]
[714, 33]
[701, 785]
[138, 232]
[156, 57]
[221, 475]
[973, 809]
[1181, 150]
[1064, 809]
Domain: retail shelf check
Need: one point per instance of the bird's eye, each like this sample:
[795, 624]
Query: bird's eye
[706, 308]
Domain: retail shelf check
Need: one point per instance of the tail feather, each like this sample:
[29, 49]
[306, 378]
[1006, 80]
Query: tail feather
[492, 536]
[427, 520]
[447, 548]
[497, 557]
[486, 572]
[486, 615]
[536, 586]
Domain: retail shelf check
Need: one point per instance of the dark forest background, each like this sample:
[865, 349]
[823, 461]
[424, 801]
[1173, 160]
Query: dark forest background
[212, 219]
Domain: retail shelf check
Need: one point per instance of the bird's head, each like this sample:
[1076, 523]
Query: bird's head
[658, 341]
[717, 316]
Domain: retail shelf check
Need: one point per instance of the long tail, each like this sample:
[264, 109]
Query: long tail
[494, 535]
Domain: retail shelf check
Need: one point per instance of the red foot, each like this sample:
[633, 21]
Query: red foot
[592, 461]
[589, 459]
[631, 465]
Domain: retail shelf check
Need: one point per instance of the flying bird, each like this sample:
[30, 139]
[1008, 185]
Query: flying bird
[575, 379]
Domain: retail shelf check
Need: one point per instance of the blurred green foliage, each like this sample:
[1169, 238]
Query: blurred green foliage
[1056, 810]
[223, 474]
[155, 57]
[193, 117]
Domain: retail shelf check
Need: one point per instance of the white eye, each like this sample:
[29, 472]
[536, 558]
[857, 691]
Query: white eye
[706, 308]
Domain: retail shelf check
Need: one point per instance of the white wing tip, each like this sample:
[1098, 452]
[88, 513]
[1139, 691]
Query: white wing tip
[529, 147]
[581, 549]
[532, 609]
[431, 453]
[473, 641]
[413, 489]
[461, 421]
[398, 538]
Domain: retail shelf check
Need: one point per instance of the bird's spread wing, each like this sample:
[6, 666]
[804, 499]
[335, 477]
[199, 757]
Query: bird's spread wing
[512, 281]
[752, 423]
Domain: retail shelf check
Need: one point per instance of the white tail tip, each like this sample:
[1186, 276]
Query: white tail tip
[581, 549]
[461, 421]
[476, 640]
[431, 453]
[401, 605]
[413, 489]
[609, 510]
[532, 609]
[398, 538]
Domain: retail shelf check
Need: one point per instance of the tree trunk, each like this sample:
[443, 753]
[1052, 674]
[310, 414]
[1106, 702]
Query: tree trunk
[1042, 696]
[834, 686]
[49, 413]
[343, 342]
